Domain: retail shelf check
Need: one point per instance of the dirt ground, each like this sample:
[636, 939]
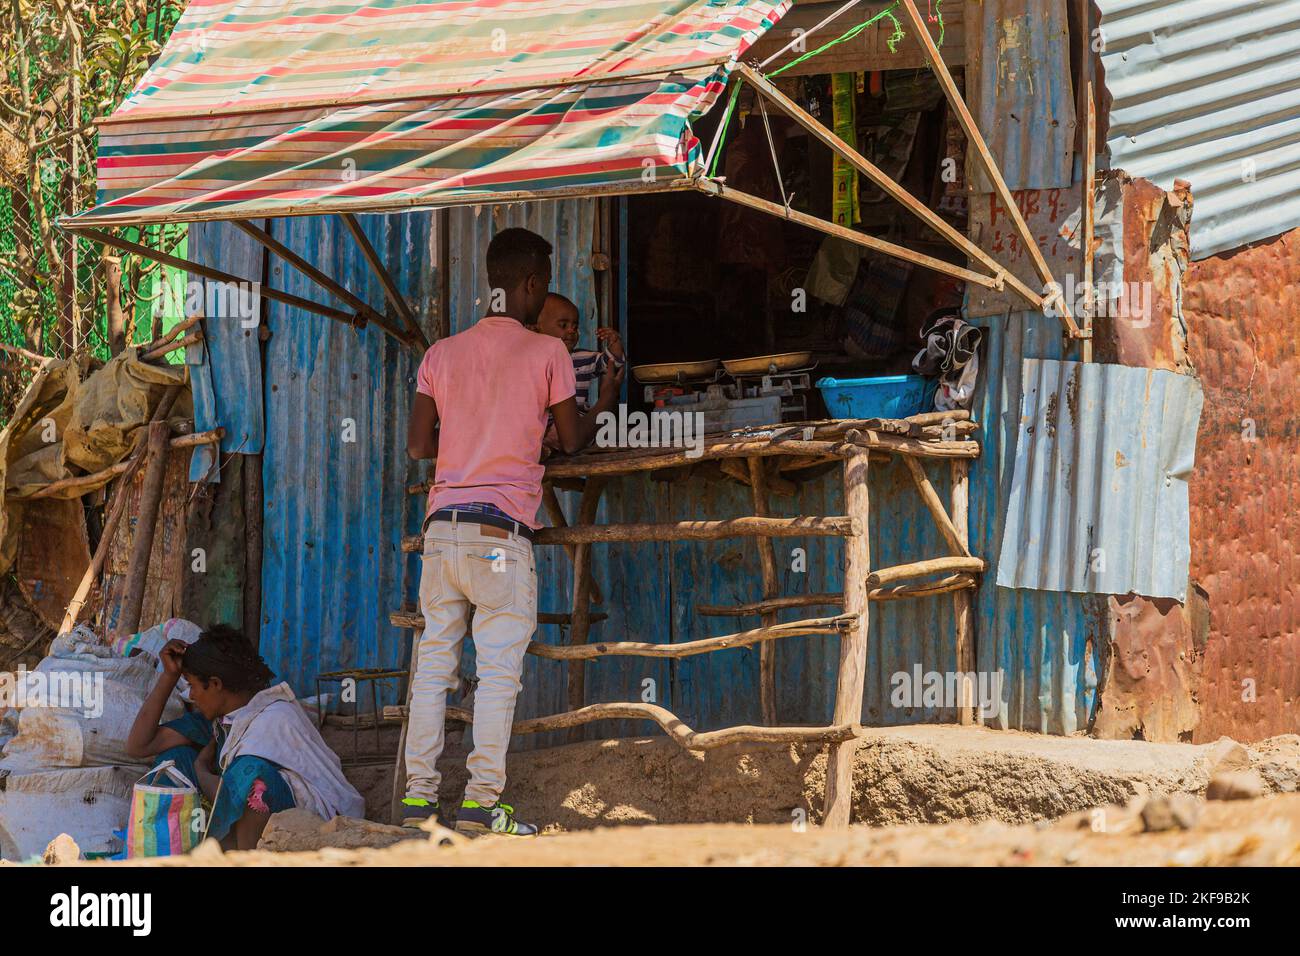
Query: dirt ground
[923, 796]
[904, 775]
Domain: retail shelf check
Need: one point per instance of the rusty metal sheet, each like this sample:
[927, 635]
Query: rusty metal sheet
[1019, 89]
[1151, 670]
[1241, 308]
[869, 50]
[53, 555]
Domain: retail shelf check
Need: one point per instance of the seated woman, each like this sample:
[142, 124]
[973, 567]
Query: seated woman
[250, 748]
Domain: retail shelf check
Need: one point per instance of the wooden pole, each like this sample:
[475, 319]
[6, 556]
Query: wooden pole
[581, 613]
[1089, 213]
[551, 502]
[976, 140]
[767, 562]
[715, 188]
[146, 524]
[891, 188]
[935, 506]
[962, 601]
[416, 336]
[919, 569]
[851, 680]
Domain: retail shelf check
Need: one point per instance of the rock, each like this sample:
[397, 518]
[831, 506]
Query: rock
[62, 849]
[1175, 811]
[299, 830]
[1239, 785]
[1226, 756]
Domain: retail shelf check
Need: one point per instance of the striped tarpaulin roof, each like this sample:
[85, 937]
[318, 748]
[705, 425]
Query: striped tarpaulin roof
[282, 107]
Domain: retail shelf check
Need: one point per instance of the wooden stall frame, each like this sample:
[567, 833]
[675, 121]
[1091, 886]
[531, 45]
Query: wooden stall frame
[854, 443]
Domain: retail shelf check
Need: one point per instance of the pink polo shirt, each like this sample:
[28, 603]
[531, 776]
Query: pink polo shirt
[493, 384]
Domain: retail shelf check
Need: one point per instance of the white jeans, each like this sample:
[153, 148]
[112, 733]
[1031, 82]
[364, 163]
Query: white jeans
[466, 563]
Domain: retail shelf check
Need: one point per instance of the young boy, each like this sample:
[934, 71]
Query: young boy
[481, 405]
[560, 320]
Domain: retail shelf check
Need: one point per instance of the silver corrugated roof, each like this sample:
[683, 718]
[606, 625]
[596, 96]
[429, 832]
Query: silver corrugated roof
[1209, 91]
[1098, 499]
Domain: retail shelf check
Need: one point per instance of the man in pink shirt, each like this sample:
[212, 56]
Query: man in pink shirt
[481, 405]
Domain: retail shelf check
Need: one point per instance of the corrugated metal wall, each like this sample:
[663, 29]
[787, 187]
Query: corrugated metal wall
[335, 467]
[1019, 90]
[1209, 91]
[1046, 643]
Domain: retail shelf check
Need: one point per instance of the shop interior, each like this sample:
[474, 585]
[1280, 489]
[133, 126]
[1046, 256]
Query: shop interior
[746, 304]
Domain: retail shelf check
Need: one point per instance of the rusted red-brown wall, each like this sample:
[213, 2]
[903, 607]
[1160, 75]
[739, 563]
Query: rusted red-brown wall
[1243, 313]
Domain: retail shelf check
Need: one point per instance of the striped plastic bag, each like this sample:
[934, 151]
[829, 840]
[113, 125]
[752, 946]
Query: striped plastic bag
[162, 817]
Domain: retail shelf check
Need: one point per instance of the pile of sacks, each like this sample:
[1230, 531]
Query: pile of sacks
[63, 729]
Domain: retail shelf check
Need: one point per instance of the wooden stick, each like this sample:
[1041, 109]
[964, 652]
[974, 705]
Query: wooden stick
[901, 592]
[679, 732]
[715, 188]
[581, 626]
[891, 188]
[935, 507]
[760, 635]
[78, 602]
[416, 335]
[84, 484]
[919, 569]
[216, 275]
[146, 525]
[174, 331]
[580, 466]
[962, 601]
[23, 353]
[1089, 206]
[976, 139]
[699, 530]
[326, 282]
[851, 679]
[164, 349]
[896, 444]
[551, 501]
[414, 620]
[767, 563]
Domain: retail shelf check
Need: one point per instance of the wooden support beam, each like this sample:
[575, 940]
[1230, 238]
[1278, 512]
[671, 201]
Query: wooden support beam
[328, 283]
[920, 569]
[898, 445]
[851, 678]
[551, 502]
[714, 188]
[581, 613]
[935, 506]
[216, 275]
[976, 140]
[767, 564]
[671, 724]
[963, 601]
[416, 335]
[623, 463]
[946, 230]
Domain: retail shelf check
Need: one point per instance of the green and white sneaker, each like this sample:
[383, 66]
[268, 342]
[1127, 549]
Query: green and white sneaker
[415, 810]
[475, 819]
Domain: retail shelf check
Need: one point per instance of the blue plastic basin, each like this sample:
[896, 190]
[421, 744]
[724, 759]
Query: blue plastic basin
[888, 396]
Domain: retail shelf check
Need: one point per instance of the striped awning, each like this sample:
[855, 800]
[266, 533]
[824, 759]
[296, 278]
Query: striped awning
[288, 107]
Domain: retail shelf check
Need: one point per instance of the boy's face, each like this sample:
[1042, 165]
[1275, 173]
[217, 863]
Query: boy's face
[560, 320]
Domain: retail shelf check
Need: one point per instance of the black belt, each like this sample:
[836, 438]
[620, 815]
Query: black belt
[478, 517]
